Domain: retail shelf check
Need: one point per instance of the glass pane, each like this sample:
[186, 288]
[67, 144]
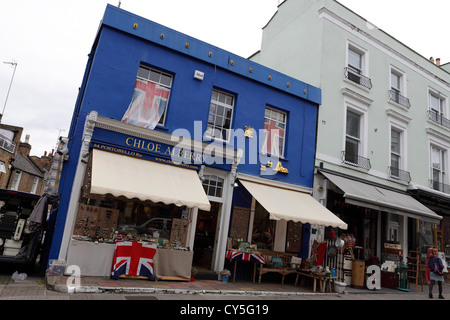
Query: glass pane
[436, 158]
[353, 124]
[143, 73]
[214, 95]
[166, 80]
[354, 59]
[351, 149]
[395, 141]
[395, 164]
[222, 97]
[395, 81]
[154, 76]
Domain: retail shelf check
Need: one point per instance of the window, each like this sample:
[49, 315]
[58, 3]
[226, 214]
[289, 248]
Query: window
[150, 98]
[274, 132]
[397, 93]
[437, 108]
[353, 137]
[35, 185]
[393, 227]
[213, 185]
[357, 66]
[438, 169]
[436, 104]
[355, 61]
[395, 153]
[16, 180]
[220, 115]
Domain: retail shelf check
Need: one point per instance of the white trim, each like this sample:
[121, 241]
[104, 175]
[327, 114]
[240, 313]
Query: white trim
[325, 13]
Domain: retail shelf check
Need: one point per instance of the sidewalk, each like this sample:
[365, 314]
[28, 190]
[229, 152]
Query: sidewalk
[58, 288]
[105, 285]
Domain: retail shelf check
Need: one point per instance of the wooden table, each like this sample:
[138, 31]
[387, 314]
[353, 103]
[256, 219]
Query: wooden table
[236, 255]
[324, 281]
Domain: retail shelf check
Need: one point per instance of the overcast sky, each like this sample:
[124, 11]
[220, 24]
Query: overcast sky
[50, 41]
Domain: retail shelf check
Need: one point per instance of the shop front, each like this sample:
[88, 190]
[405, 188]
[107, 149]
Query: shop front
[383, 222]
[272, 218]
[142, 210]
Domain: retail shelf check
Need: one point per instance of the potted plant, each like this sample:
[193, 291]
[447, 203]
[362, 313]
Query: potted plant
[225, 274]
[194, 272]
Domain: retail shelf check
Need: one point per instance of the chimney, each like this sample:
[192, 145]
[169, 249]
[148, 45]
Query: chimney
[432, 59]
[438, 62]
[25, 147]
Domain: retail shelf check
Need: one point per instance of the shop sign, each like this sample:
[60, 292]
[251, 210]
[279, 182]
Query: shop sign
[146, 156]
[174, 152]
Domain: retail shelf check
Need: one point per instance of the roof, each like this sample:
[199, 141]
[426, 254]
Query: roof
[25, 164]
[137, 26]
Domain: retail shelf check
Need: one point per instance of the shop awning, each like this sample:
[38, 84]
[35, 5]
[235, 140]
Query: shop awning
[369, 196]
[285, 204]
[131, 177]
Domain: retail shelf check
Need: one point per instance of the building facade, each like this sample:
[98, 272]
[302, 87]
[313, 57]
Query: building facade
[185, 170]
[18, 170]
[383, 136]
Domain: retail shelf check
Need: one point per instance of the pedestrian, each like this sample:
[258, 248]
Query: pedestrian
[436, 275]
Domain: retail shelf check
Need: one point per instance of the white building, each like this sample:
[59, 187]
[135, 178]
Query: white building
[383, 135]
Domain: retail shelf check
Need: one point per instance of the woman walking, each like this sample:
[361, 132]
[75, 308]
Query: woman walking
[436, 275]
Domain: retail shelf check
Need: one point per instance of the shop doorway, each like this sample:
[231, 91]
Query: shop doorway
[206, 233]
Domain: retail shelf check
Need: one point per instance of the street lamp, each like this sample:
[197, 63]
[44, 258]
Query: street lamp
[14, 64]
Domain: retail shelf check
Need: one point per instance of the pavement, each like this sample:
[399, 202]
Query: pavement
[68, 288]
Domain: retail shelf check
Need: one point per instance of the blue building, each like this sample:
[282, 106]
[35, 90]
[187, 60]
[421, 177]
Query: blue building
[179, 142]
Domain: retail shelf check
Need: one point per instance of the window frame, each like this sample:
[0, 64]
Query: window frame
[443, 156]
[361, 108]
[364, 56]
[211, 133]
[16, 180]
[441, 99]
[152, 71]
[284, 115]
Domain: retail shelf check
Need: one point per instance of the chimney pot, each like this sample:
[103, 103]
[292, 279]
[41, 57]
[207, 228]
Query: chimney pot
[438, 62]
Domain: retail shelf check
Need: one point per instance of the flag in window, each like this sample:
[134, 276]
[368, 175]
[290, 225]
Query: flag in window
[273, 137]
[147, 104]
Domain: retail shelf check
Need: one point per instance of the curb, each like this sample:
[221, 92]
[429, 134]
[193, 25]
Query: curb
[64, 288]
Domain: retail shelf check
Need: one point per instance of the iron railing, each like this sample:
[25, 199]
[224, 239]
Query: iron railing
[439, 186]
[437, 117]
[399, 174]
[398, 98]
[356, 160]
[352, 75]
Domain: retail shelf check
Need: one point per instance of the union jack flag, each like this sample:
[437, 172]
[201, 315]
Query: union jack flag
[239, 255]
[147, 104]
[273, 137]
[133, 259]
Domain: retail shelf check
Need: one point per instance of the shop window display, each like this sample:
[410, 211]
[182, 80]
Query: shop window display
[107, 219]
[263, 229]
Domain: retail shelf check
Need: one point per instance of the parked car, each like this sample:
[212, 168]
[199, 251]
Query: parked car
[160, 225]
[23, 218]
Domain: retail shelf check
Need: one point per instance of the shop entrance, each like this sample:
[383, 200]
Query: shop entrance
[206, 236]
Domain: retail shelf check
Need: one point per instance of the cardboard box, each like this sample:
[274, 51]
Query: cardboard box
[10, 252]
[13, 244]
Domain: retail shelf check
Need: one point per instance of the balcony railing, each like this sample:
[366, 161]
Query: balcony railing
[398, 98]
[437, 117]
[357, 78]
[355, 160]
[439, 186]
[399, 174]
